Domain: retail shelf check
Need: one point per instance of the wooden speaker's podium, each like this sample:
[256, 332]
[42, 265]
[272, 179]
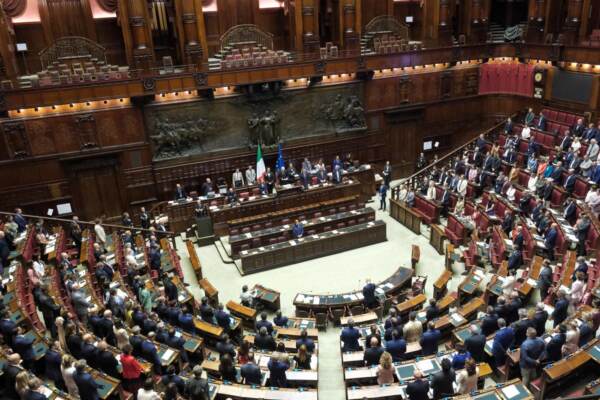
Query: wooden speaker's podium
[204, 231]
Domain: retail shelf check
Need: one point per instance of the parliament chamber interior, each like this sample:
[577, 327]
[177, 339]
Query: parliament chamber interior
[299, 199]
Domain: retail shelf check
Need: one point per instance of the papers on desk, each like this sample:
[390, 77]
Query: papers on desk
[88, 299]
[315, 236]
[532, 282]
[510, 391]
[317, 300]
[351, 297]
[456, 319]
[113, 284]
[293, 242]
[181, 297]
[371, 223]
[335, 232]
[46, 391]
[167, 355]
[540, 244]
[360, 296]
[422, 315]
[300, 298]
[425, 365]
[248, 235]
[261, 248]
[177, 334]
[322, 219]
[286, 226]
[244, 252]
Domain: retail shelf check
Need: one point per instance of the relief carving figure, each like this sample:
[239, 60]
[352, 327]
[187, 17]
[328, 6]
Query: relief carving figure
[345, 113]
[264, 129]
[174, 138]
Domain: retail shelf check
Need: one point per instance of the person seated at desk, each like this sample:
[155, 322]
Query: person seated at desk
[373, 352]
[418, 389]
[250, 372]
[385, 370]
[263, 322]
[237, 178]
[227, 369]
[475, 344]
[442, 381]
[206, 311]
[297, 230]
[180, 193]
[86, 385]
[412, 329]
[502, 342]
[277, 367]
[305, 341]
[368, 292]
[302, 360]
[231, 196]
[458, 361]
[280, 320]
[206, 187]
[396, 346]
[430, 339]
[246, 297]
[264, 341]
[349, 337]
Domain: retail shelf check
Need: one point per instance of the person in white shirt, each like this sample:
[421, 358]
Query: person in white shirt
[431, 191]
[403, 193]
[593, 200]
[526, 133]
[250, 176]
[508, 285]
[461, 187]
[576, 145]
[532, 182]
[466, 379]
[100, 234]
[147, 392]
[246, 297]
[39, 267]
[130, 257]
[237, 179]
[577, 290]
[510, 192]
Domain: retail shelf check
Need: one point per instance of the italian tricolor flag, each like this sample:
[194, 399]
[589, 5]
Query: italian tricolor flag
[260, 165]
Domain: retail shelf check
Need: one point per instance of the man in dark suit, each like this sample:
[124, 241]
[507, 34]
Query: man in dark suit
[87, 386]
[264, 341]
[560, 308]
[52, 362]
[368, 292]
[507, 222]
[136, 341]
[180, 193]
[541, 123]
[171, 291]
[432, 311]
[441, 382]
[566, 142]
[264, 323]
[501, 309]
[150, 353]
[582, 228]
[373, 352]
[250, 372]
[186, 320]
[88, 351]
[520, 328]
[224, 346]
[107, 328]
[430, 339]
[502, 342]
[539, 319]
[8, 328]
[396, 346]
[349, 337]
[554, 346]
[223, 318]
[280, 319]
[24, 346]
[10, 370]
[475, 344]
[445, 201]
[515, 260]
[207, 187]
[107, 362]
[579, 128]
[206, 311]
[570, 210]
[489, 324]
[418, 388]
[550, 240]
[570, 181]
[508, 126]
[304, 340]
[586, 329]
[20, 220]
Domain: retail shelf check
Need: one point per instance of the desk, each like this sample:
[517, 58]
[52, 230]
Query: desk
[309, 247]
[319, 225]
[194, 260]
[244, 392]
[405, 215]
[269, 298]
[247, 314]
[359, 319]
[437, 237]
[411, 304]
[441, 283]
[264, 204]
[296, 325]
[209, 291]
[393, 391]
[323, 303]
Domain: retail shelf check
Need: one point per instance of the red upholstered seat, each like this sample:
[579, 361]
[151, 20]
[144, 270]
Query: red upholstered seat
[580, 189]
[557, 197]
[455, 230]
[591, 241]
[426, 209]
[523, 178]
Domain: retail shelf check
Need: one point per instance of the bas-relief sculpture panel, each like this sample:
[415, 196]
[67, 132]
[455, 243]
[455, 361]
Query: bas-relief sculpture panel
[243, 121]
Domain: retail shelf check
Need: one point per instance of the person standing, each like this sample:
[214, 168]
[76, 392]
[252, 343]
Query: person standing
[382, 196]
[237, 179]
[387, 173]
[531, 352]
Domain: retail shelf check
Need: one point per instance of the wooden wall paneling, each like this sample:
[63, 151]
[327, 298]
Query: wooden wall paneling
[123, 16]
[572, 24]
[110, 36]
[191, 37]
[34, 35]
[274, 21]
[310, 25]
[584, 30]
[88, 18]
[211, 23]
[7, 49]
[46, 22]
[141, 35]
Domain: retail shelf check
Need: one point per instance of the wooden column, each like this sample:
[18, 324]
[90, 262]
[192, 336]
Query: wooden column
[478, 21]
[445, 24]
[571, 26]
[310, 26]
[8, 58]
[138, 22]
[585, 19]
[191, 31]
[348, 24]
[536, 21]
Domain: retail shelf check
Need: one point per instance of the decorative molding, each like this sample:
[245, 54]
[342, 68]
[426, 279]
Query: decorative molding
[149, 84]
[320, 66]
[201, 79]
[308, 10]
[86, 124]
[361, 63]
[137, 21]
[189, 18]
[16, 139]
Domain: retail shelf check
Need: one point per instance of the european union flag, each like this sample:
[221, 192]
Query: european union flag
[280, 163]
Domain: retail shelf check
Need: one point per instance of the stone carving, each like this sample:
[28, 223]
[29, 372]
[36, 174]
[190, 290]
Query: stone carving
[174, 138]
[264, 129]
[345, 112]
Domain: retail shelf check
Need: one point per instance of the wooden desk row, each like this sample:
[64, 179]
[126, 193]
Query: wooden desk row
[404, 214]
[315, 303]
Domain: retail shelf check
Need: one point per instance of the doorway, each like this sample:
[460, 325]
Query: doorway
[509, 13]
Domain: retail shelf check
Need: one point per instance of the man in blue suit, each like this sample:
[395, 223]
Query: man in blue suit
[554, 346]
[297, 230]
[560, 309]
[264, 322]
[176, 342]
[502, 342]
[20, 220]
[150, 353]
[186, 320]
[250, 372]
[396, 346]
[277, 368]
[280, 319]
[541, 123]
[550, 240]
[8, 328]
[306, 341]
[24, 346]
[368, 292]
[430, 339]
[531, 352]
[180, 192]
[87, 386]
[489, 324]
[223, 318]
[349, 337]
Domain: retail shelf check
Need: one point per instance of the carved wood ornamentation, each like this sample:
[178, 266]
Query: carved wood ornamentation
[404, 89]
[86, 126]
[446, 85]
[16, 139]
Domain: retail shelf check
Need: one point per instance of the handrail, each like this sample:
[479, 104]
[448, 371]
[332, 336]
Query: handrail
[411, 178]
[68, 221]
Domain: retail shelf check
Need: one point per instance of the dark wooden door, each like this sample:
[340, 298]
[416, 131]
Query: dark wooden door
[96, 186]
[404, 139]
